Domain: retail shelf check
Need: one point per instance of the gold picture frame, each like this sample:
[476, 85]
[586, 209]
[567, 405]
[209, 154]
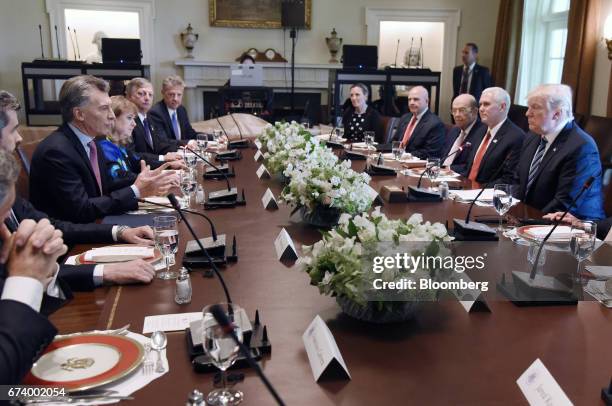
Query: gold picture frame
[250, 13]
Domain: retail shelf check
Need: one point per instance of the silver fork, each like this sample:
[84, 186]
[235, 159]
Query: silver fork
[148, 366]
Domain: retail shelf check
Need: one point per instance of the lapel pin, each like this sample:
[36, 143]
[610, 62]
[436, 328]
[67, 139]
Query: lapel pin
[554, 149]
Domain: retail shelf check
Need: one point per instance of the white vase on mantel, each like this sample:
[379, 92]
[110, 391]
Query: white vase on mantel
[189, 38]
[333, 43]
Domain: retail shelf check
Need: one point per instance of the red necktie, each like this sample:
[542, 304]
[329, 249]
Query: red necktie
[93, 160]
[409, 131]
[479, 155]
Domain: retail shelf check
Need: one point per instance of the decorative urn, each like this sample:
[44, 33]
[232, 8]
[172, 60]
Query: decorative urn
[333, 43]
[189, 38]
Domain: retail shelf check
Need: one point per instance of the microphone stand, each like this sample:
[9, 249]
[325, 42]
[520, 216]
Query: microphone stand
[530, 290]
[224, 322]
[221, 198]
[177, 207]
[242, 142]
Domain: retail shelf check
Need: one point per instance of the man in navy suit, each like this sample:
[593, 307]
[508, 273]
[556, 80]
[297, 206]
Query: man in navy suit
[420, 131]
[66, 180]
[468, 129]
[470, 77]
[149, 140]
[80, 277]
[28, 284]
[499, 145]
[558, 157]
[169, 114]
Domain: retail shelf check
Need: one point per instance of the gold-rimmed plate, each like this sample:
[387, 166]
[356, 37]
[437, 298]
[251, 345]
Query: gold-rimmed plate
[86, 361]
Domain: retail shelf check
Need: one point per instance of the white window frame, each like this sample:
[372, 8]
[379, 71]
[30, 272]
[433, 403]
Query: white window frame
[538, 24]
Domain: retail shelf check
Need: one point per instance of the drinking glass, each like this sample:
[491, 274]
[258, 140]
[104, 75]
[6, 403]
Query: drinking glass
[339, 133]
[188, 186]
[502, 201]
[222, 350]
[582, 243]
[396, 148]
[166, 241]
[202, 140]
[368, 138]
[433, 170]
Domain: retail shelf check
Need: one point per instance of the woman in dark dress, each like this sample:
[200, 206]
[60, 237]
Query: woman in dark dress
[360, 117]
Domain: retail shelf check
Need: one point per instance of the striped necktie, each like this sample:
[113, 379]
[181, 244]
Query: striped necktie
[535, 164]
[148, 136]
[175, 126]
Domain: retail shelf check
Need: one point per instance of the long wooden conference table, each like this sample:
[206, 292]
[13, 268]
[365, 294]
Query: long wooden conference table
[445, 356]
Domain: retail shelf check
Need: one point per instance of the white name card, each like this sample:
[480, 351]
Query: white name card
[285, 250]
[269, 201]
[470, 299]
[540, 388]
[258, 156]
[262, 172]
[257, 143]
[323, 353]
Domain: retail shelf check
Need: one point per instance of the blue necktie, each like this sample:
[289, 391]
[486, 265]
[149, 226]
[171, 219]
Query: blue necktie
[535, 164]
[148, 136]
[175, 126]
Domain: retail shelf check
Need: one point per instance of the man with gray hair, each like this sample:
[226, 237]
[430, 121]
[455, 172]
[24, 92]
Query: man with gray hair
[499, 145]
[169, 113]
[558, 157]
[78, 277]
[66, 180]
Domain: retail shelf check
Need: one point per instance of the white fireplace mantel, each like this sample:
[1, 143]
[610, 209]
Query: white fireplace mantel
[203, 75]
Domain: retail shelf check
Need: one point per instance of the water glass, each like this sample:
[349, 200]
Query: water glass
[368, 138]
[166, 240]
[432, 169]
[582, 243]
[502, 201]
[396, 148]
[222, 350]
[202, 140]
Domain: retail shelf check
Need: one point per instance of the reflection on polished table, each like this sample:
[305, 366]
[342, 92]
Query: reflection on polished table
[445, 356]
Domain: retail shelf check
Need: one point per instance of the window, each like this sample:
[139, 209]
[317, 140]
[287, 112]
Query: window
[543, 44]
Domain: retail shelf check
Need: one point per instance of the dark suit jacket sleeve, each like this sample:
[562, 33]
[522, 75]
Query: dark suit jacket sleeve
[603, 227]
[78, 277]
[23, 335]
[568, 175]
[90, 233]
[76, 203]
[433, 143]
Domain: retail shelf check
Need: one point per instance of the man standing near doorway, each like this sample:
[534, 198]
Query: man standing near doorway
[470, 77]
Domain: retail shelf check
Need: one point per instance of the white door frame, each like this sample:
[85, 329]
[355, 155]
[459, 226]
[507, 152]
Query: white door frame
[451, 18]
[144, 8]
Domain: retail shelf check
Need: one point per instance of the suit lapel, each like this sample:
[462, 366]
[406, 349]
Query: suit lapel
[495, 142]
[168, 119]
[76, 143]
[554, 147]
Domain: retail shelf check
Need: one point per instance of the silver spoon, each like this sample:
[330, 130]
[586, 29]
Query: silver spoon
[158, 344]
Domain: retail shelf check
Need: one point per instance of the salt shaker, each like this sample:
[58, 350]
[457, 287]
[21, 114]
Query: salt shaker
[443, 189]
[196, 398]
[183, 287]
[199, 194]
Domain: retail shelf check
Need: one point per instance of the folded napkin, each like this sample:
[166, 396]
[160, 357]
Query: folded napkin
[599, 271]
[157, 200]
[469, 195]
[560, 233]
[363, 145]
[157, 266]
[119, 253]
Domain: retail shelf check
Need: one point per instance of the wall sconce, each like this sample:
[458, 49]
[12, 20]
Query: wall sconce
[608, 35]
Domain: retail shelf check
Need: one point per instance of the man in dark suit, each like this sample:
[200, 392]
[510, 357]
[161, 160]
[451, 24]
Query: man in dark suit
[467, 130]
[66, 181]
[470, 77]
[420, 131]
[169, 114]
[558, 157]
[149, 140]
[28, 272]
[499, 145]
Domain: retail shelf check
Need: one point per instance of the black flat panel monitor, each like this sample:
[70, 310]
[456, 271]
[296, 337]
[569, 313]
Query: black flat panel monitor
[121, 50]
[360, 56]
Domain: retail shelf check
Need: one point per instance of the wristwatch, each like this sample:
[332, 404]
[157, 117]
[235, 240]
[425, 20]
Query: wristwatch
[120, 231]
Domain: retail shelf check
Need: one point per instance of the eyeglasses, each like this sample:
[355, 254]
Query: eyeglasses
[461, 110]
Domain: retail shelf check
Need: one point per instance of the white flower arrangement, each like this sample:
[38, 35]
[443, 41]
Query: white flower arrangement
[338, 263]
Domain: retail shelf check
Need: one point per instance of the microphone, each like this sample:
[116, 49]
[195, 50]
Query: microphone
[42, 52]
[218, 241]
[464, 146]
[59, 54]
[396, 51]
[72, 43]
[177, 207]
[231, 194]
[77, 43]
[242, 142]
[466, 231]
[228, 328]
[334, 144]
[585, 187]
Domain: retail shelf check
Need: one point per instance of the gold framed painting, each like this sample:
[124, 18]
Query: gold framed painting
[250, 13]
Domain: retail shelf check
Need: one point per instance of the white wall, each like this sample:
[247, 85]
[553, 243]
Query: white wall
[603, 68]
[19, 32]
